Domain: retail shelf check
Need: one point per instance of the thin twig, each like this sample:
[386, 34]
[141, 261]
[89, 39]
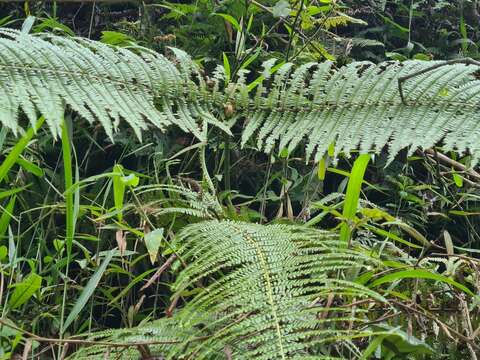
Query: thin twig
[440, 323]
[455, 164]
[159, 272]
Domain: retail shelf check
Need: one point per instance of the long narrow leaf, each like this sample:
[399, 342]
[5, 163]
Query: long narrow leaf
[420, 274]
[353, 193]
[88, 290]
[21, 144]
[6, 216]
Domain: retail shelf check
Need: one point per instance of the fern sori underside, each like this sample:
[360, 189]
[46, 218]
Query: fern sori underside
[258, 292]
[356, 106]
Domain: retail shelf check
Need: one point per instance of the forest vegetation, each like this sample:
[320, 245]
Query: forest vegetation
[240, 179]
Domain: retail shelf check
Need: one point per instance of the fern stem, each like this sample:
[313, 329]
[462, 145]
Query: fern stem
[269, 288]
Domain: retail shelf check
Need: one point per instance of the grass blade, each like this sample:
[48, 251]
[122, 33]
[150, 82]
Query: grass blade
[420, 274]
[21, 144]
[6, 216]
[88, 290]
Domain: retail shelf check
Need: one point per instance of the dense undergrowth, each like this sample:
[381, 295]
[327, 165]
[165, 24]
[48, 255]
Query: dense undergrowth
[266, 192]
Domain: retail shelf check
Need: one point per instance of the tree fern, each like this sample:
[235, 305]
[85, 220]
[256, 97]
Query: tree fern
[261, 292]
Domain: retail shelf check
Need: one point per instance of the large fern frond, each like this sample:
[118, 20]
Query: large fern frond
[359, 105]
[261, 291]
[45, 73]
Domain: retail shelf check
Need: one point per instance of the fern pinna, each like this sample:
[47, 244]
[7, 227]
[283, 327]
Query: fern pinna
[356, 106]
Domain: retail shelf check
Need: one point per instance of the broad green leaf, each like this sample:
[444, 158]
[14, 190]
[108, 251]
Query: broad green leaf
[398, 341]
[25, 290]
[372, 347]
[153, 240]
[231, 20]
[353, 193]
[88, 290]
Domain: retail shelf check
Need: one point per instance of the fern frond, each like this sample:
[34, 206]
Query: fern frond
[45, 74]
[355, 106]
[359, 106]
[260, 291]
[175, 199]
[165, 330]
[266, 286]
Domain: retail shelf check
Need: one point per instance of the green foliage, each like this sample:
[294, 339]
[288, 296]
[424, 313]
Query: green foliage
[193, 275]
[358, 104]
[24, 290]
[79, 73]
[261, 291]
